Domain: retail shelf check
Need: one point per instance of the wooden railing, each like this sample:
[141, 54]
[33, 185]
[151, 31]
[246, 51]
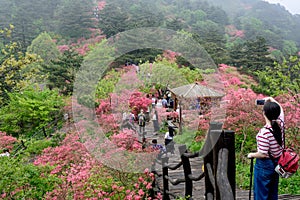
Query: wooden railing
[42, 133]
[218, 154]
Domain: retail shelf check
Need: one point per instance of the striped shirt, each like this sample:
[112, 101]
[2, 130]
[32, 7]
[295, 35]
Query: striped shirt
[266, 142]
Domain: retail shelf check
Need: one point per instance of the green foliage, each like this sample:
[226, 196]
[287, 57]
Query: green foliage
[212, 37]
[246, 141]
[138, 56]
[188, 138]
[116, 17]
[61, 72]
[74, 26]
[30, 110]
[15, 73]
[280, 79]
[45, 47]
[23, 15]
[92, 70]
[290, 185]
[35, 147]
[251, 55]
[196, 146]
[163, 73]
[57, 138]
[260, 21]
[191, 75]
[24, 181]
[242, 172]
[289, 48]
[87, 100]
[107, 84]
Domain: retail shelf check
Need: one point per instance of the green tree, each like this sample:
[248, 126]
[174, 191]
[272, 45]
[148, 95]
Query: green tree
[107, 84]
[30, 18]
[289, 48]
[212, 37]
[116, 17]
[74, 18]
[30, 110]
[6, 13]
[15, 73]
[25, 15]
[45, 47]
[61, 72]
[165, 74]
[174, 24]
[280, 79]
[252, 55]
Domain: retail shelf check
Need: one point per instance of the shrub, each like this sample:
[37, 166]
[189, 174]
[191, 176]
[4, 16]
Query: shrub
[25, 181]
[6, 141]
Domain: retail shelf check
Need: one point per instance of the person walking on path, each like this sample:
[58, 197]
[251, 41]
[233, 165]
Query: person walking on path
[158, 147]
[153, 101]
[269, 148]
[169, 143]
[155, 121]
[141, 122]
[164, 102]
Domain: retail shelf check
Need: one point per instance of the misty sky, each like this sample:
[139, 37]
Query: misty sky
[293, 6]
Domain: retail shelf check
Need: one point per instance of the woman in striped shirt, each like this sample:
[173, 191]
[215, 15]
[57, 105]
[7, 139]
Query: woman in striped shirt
[269, 147]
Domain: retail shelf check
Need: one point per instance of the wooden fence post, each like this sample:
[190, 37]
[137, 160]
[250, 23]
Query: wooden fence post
[229, 142]
[226, 141]
[23, 144]
[44, 131]
[207, 150]
[187, 171]
[165, 169]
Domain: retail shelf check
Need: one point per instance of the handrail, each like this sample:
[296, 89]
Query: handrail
[212, 162]
[173, 195]
[197, 178]
[174, 166]
[22, 146]
[191, 155]
[176, 181]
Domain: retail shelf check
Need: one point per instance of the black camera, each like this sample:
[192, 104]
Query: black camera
[259, 102]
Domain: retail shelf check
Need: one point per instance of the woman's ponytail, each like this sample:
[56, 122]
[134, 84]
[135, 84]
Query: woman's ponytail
[272, 111]
[277, 132]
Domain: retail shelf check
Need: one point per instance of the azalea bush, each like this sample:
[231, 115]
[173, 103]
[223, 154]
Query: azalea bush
[126, 139]
[138, 101]
[108, 124]
[113, 184]
[83, 177]
[6, 141]
[108, 121]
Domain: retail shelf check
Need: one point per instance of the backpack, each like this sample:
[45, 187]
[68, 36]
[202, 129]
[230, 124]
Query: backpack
[288, 161]
[141, 120]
